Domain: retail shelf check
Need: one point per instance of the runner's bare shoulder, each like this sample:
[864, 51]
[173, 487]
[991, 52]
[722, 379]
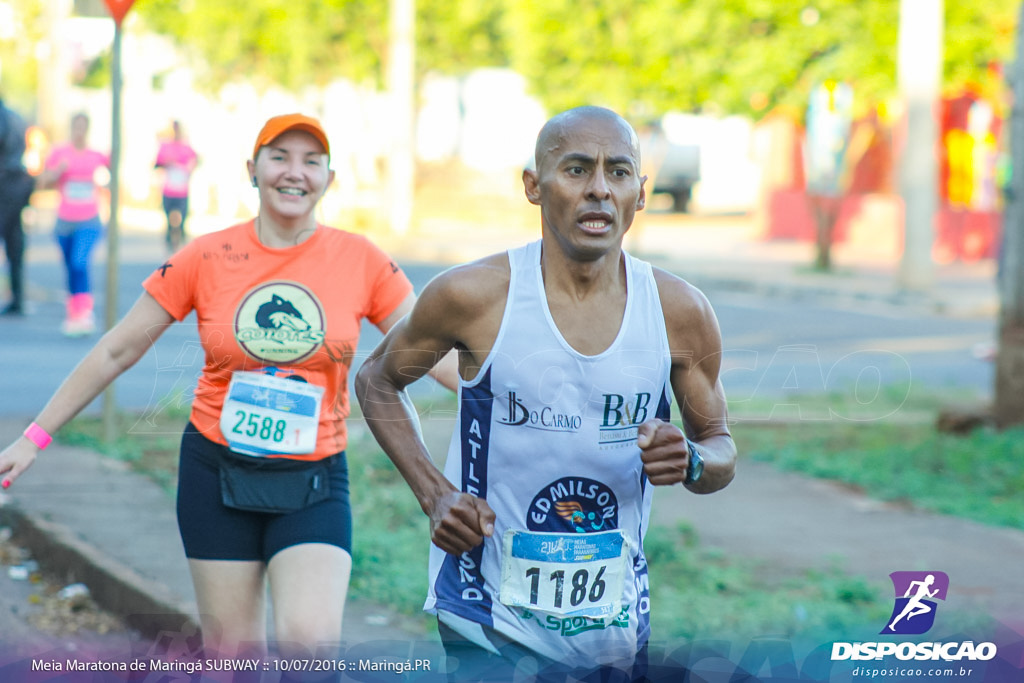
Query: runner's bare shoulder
[689, 318]
[473, 288]
[467, 301]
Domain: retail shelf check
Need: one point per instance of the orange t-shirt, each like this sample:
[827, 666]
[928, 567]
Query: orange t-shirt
[296, 309]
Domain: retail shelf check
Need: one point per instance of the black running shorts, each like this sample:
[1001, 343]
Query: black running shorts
[212, 531]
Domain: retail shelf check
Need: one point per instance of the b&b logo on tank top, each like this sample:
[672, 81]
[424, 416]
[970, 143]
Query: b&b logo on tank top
[279, 322]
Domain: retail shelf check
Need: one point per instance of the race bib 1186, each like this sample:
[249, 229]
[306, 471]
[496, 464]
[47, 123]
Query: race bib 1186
[574, 575]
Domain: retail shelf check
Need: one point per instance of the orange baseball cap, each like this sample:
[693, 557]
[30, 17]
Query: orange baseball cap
[277, 125]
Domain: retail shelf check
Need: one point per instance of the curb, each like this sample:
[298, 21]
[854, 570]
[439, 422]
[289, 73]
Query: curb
[144, 605]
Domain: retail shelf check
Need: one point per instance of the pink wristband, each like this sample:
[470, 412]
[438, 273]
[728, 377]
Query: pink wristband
[38, 436]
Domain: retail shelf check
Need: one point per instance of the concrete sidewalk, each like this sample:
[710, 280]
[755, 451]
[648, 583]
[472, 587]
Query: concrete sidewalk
[115, 530]
[789, 524]
[727, 254]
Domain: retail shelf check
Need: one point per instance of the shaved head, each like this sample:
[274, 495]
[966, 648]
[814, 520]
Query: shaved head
[587, 181]
[558, 127]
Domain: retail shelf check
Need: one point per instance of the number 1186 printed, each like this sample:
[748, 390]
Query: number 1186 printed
[577, 575]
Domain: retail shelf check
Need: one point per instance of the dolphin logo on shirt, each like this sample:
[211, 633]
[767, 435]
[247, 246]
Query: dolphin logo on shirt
[278, 313]
[280, 322]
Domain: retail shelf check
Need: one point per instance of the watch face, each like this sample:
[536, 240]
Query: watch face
[696, 467]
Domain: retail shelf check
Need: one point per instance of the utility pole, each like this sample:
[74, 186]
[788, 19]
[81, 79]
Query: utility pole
[1009, 389]
[920, 75]
[118, 8]
[401, 85]
[113, 228]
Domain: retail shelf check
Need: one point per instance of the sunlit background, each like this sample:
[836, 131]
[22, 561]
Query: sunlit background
[719, 89]
[748, 111]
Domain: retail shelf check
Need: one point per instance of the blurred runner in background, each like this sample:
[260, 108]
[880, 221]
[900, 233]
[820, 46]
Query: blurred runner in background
[177, 159]
[71, 168]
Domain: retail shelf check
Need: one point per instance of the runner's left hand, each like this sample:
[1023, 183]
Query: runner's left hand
[664, 452]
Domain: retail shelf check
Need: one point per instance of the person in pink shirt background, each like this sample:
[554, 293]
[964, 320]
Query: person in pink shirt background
[177, 158]
[71, 168]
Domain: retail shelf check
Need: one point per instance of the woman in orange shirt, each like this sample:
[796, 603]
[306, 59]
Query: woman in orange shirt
[263, 489]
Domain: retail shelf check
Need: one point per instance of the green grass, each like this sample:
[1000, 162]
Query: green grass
[695, 593]
[891, 450]
[872, 403]
[391, 535]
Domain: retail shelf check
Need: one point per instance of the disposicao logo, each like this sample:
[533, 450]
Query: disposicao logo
[916, 593]
[913, 614]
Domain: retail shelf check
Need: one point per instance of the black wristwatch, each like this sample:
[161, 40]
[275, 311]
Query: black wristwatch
[696, 466]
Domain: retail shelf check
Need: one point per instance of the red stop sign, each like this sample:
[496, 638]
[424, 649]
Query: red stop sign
[119, 8]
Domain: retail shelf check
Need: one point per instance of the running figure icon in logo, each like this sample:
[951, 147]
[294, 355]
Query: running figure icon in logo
[916, 588]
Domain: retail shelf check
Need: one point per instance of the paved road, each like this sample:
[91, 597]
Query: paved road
[36, 358]
[775, 346]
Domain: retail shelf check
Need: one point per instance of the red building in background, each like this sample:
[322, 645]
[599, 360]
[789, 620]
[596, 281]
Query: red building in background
[971, 167]
[970, 214]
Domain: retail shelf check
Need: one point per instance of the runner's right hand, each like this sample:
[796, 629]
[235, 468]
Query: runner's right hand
[15, 459]
[460, 521]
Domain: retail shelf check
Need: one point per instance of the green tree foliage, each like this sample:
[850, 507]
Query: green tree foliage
[292, 43]
[457, 37]
[18, 59]
[737, 56]
[295, 43]
[977, 35]
[733, 55]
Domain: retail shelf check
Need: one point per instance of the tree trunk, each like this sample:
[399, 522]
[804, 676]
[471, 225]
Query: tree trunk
[1009, 389]
[825, 210]
[1009, 408]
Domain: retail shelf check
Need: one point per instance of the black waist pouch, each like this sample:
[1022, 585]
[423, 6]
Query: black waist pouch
[272, 484]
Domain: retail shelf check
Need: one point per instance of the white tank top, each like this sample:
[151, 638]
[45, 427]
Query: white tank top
[547, 436]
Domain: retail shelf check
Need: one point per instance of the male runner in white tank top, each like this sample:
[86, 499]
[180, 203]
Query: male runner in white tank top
[570, 352]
